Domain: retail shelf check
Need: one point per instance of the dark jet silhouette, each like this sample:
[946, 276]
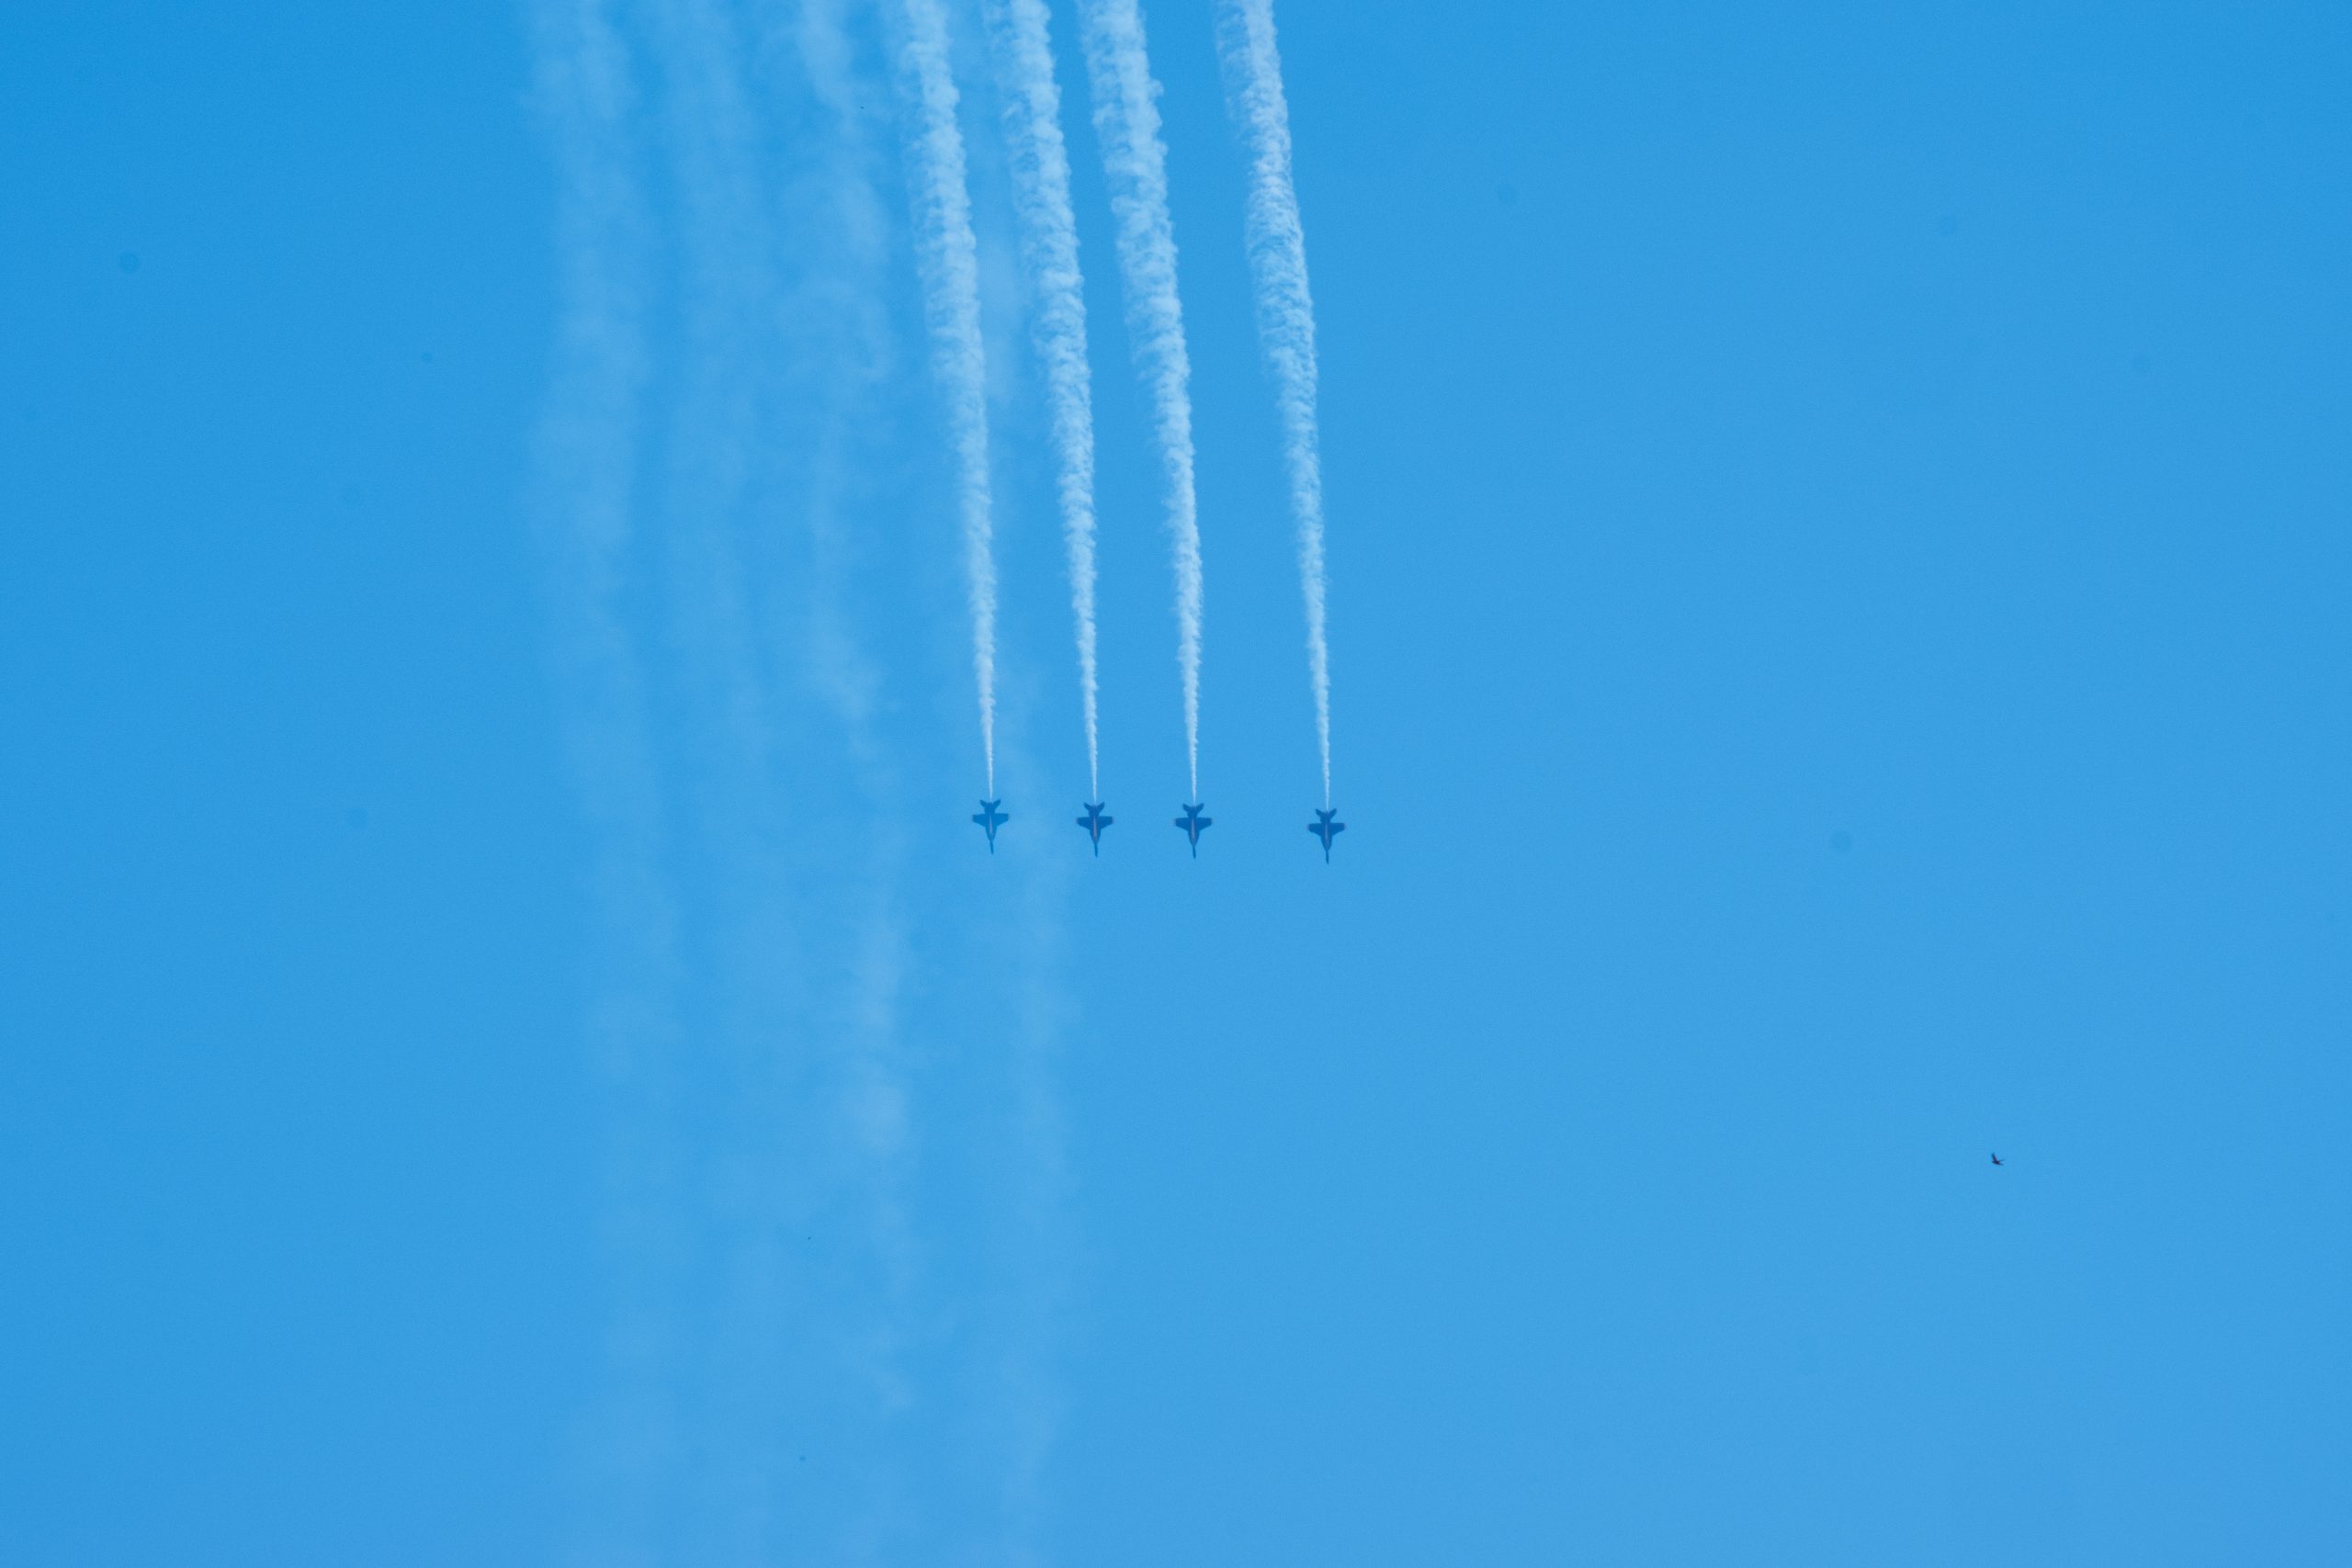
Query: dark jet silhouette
[1094, 822]
[1193, 822]
[1996, 1159]
[1324, 829]
[990, 820]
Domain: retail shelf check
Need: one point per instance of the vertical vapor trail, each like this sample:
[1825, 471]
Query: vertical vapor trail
[1253, 85]
[1032, 128]
[1028, 1304]
[754, 1040]
[841, 332]
[948, 258]
[584, 473]
[1126, 123]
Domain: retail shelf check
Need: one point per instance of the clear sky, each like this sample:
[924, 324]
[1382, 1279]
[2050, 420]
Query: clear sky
[512, 1050]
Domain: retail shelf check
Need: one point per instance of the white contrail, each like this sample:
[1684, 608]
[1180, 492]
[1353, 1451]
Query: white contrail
[756, 1035]
[585, 473]
[1253, 83]
[1126, 123]
[840, 332]
[948, 259]
[1032, 128]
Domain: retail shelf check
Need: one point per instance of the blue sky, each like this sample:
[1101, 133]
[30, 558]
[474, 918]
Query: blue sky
[1837, 538]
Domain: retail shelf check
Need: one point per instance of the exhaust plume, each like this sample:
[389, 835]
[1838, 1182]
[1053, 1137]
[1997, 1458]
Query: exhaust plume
[1253, 86]
[1040, 160]
[948, 257]
[1126, 123]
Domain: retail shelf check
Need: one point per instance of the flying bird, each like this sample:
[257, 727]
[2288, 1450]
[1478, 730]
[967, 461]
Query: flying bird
[1996, 1159]
[1193, 822]
[1094, 822]
[1324, 829]
[990, 820]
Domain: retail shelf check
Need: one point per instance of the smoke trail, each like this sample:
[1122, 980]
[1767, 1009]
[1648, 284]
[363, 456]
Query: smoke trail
[1126, 122]
[1026, 1304]
[866, 1129]
[948, 258]
[1040, 162]
[1253, 83]
[586, 463]
[755, 1035]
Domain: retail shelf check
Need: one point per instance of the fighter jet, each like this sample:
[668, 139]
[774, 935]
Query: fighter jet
[1324, 827]
[1193, 822]
[990, 820]
[1094, 822]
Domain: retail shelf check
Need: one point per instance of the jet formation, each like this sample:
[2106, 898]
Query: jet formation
[990, 816]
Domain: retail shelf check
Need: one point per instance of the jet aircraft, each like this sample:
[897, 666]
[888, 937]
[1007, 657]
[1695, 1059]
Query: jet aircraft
[990, 820]
[1193, 822]
[1324, 827]
[1094, 822]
